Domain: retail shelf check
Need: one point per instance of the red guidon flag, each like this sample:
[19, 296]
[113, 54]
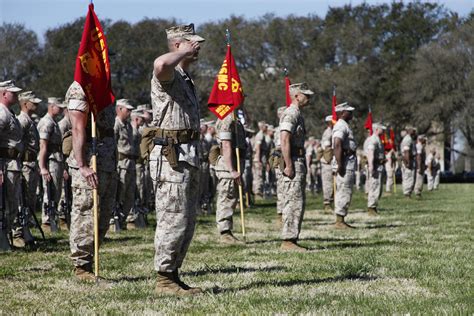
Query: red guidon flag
[227, 93]
[368, 121]
[334, 103]
[92, 65]
[287, 87]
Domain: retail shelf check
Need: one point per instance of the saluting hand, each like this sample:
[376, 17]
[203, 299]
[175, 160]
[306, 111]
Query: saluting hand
[189, 47]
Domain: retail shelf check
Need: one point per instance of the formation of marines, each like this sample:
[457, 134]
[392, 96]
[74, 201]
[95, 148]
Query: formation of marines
[164, 157]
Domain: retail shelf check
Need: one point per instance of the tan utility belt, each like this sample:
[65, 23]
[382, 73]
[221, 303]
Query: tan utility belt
[178, 136]
[29, 156]
[125, 156]
[9, 153]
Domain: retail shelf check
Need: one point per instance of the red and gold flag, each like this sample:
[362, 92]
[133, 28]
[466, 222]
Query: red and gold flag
[92, 64]
[368, 121]
[227, 93]
[334, 103]
[287, 89]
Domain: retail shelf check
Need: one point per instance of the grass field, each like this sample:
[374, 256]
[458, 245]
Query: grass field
[417, 257]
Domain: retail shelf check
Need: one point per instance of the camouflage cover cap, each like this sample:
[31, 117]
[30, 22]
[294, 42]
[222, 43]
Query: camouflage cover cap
[300, 88]
[9, 85]
[183, 31]
[144, 108]
[379, 125]
[328, 118]
[28, 96]
[344, 107]
[125, 103]
[137, 113]
[57, 101]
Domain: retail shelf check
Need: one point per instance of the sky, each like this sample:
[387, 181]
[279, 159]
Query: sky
[40, 15]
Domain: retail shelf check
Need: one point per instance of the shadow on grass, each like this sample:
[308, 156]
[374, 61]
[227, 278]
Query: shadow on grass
[118, 238]
[288, 283]
[344, 245]
[130, 279]
[231, 270]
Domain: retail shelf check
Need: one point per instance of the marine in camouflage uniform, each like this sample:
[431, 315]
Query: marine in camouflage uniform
[375, 163]
[174, 159]
[11, 147]
[127, 155]
[65, 128]
[51, 159]
[344, 146]
[292, 137]
[204, 186]
[259, 160]
[81, 238]
[232, 135]
[278, 173]
[326, 168]
[432, 168]
[408, 155]
[30, 172]
[420, 164]
[137, 218]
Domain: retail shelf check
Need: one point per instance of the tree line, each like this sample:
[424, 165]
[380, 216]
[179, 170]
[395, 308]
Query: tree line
[412, 63]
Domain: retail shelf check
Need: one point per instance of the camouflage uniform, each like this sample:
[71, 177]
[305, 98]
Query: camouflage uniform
[390, 166]
[141, 171]
[81, 237]
[49, 130]
[420, 169]
[326, 168]
[279, 175]
[227, 194]
[344, 184]
[408, 172]
[126, 166]
[30, 169]
[375, 177]
[11, 146]
[432, 164]
[259, 164]
[65, 128]
[294, 189]
[204, 187]
[175, 107]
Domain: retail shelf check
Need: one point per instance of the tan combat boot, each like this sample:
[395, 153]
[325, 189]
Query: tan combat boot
[63, 224]
[84, 274]
[228, 238]
[166, 285]
[341, 224]
[291, 245]
[372, 211]
[19, 242]
[328, 209]
[46, 228]
[131, 226]
[192, 290]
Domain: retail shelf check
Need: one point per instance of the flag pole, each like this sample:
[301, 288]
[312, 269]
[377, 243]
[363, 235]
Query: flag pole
[95, 199]
[237, 153]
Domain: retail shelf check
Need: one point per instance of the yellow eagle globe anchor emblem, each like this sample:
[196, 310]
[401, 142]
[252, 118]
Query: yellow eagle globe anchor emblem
[90, 63]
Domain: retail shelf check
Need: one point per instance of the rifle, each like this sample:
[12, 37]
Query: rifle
[25, 212]
[4, 243]
[50, 208]
[66, 204]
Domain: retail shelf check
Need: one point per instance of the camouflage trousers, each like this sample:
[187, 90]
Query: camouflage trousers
[56, 184]
[227, 198]
[280, 192]
[293, 201]
[375, 188]
[204, 186]
[258, 172]
[142, 190]
[31, 176]
[127, 190]
[343, 196]
[12, 182]
[81, 232]
[419, 183]
[430, 177]
[328, 185]
[408, 177]
[176, 203]
[436, 180]
[390, 171]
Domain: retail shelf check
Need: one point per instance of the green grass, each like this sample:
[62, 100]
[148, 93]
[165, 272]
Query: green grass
[416, 258]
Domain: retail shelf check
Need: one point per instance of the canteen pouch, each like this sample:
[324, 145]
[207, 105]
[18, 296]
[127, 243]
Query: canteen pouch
[214, 154]
[275, 158]
[328, 154]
